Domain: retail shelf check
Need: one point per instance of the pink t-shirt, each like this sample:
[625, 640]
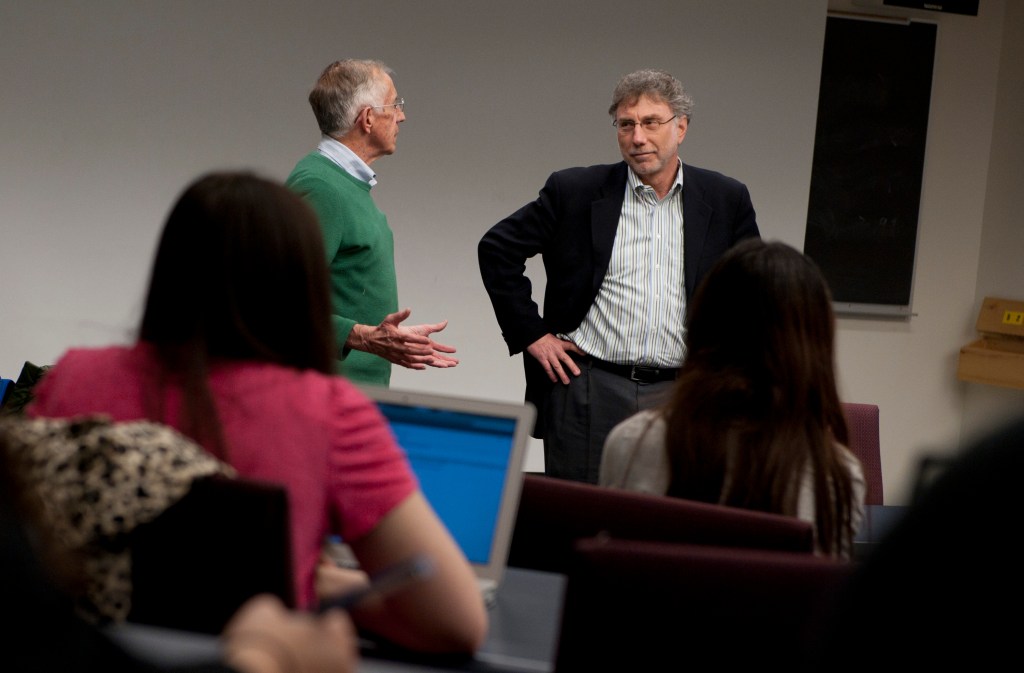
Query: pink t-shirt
[315, 434]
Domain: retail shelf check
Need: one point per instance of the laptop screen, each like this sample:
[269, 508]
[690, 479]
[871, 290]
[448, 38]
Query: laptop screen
[461, 460]
[468, 456]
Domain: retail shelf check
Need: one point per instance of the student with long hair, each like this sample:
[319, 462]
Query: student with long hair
[755, 419]
[236, 351]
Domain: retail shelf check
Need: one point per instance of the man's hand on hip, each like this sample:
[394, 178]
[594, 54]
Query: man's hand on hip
[553, 355]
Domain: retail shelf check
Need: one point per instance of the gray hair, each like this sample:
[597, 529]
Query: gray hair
[344, 89]
[656, 84]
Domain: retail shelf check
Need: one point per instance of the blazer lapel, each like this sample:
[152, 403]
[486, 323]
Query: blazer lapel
[696, 220]
[604, 221]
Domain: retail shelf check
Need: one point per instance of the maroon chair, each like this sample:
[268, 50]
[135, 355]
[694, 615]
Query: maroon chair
[653, 606]
[554, 513]
[862, 423]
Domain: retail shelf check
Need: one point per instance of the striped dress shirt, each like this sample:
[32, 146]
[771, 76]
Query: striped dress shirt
[637, 316]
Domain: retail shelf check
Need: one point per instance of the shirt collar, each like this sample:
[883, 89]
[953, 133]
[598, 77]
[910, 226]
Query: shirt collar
[634, 184]
[346, 159]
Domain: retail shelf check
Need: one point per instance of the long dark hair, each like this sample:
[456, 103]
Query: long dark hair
[756, 403]
[240, 274]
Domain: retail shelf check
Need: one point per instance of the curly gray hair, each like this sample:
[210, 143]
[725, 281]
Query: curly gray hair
[656, 84]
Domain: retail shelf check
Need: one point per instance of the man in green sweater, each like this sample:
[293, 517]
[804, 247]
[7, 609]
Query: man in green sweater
[358, 111]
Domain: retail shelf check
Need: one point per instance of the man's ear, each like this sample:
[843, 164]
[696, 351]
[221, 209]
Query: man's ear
[365, 120]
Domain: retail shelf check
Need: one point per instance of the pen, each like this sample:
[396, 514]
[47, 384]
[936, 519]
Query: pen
[383, 582]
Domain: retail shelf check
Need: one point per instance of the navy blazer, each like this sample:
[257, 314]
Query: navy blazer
[572, 225]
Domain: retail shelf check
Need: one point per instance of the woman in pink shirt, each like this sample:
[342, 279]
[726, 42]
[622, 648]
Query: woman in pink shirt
[236, 351]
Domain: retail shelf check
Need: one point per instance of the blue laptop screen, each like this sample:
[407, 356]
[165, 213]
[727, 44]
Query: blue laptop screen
[461, 461]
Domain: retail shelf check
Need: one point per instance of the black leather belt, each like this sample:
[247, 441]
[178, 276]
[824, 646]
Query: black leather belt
[638, 373]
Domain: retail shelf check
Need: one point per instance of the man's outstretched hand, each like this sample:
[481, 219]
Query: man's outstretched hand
[406, 345]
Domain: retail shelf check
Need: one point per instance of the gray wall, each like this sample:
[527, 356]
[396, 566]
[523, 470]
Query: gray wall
[1001, 255]
[968, 239]
[110, 108]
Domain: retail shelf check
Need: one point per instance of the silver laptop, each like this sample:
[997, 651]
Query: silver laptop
[468, 456]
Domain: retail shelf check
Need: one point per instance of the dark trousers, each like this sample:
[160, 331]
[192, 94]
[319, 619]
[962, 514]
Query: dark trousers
[580, 415]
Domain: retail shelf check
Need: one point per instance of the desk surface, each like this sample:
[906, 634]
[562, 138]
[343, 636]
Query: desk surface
[523, 635]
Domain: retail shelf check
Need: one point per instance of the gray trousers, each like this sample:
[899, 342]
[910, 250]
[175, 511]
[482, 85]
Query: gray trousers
[580, 415]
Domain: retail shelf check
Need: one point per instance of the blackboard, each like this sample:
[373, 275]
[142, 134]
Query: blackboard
[869, 145]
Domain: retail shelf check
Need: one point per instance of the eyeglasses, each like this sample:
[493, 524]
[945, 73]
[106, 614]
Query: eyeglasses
[627, 126]
[398, 105]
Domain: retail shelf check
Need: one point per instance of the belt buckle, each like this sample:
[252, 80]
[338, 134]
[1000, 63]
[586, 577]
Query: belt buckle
[640, 374]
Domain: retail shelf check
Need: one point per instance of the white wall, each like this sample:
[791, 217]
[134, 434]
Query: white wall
[909, 368]
[1001, 265]
[109, 108]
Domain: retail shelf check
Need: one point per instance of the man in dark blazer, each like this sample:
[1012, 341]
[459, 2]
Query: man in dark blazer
[624, 247]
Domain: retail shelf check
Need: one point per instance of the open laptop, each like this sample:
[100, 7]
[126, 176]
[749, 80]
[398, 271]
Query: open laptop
[468, 455]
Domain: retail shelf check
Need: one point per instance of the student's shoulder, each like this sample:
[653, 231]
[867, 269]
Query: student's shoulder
[638, 432]
[325, 396]
[81, 375]
[634, 454]
[96, 357]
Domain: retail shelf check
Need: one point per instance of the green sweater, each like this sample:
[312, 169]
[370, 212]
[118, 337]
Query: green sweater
[360, 257]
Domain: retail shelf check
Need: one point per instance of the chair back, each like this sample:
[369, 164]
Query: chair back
[862, 423]
[225, 541]
[655, 606]
[554, 513]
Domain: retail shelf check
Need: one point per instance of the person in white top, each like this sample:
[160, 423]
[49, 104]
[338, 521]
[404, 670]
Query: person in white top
[755, 419]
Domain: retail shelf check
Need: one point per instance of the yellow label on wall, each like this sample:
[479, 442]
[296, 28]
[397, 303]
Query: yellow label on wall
[1013, 317]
